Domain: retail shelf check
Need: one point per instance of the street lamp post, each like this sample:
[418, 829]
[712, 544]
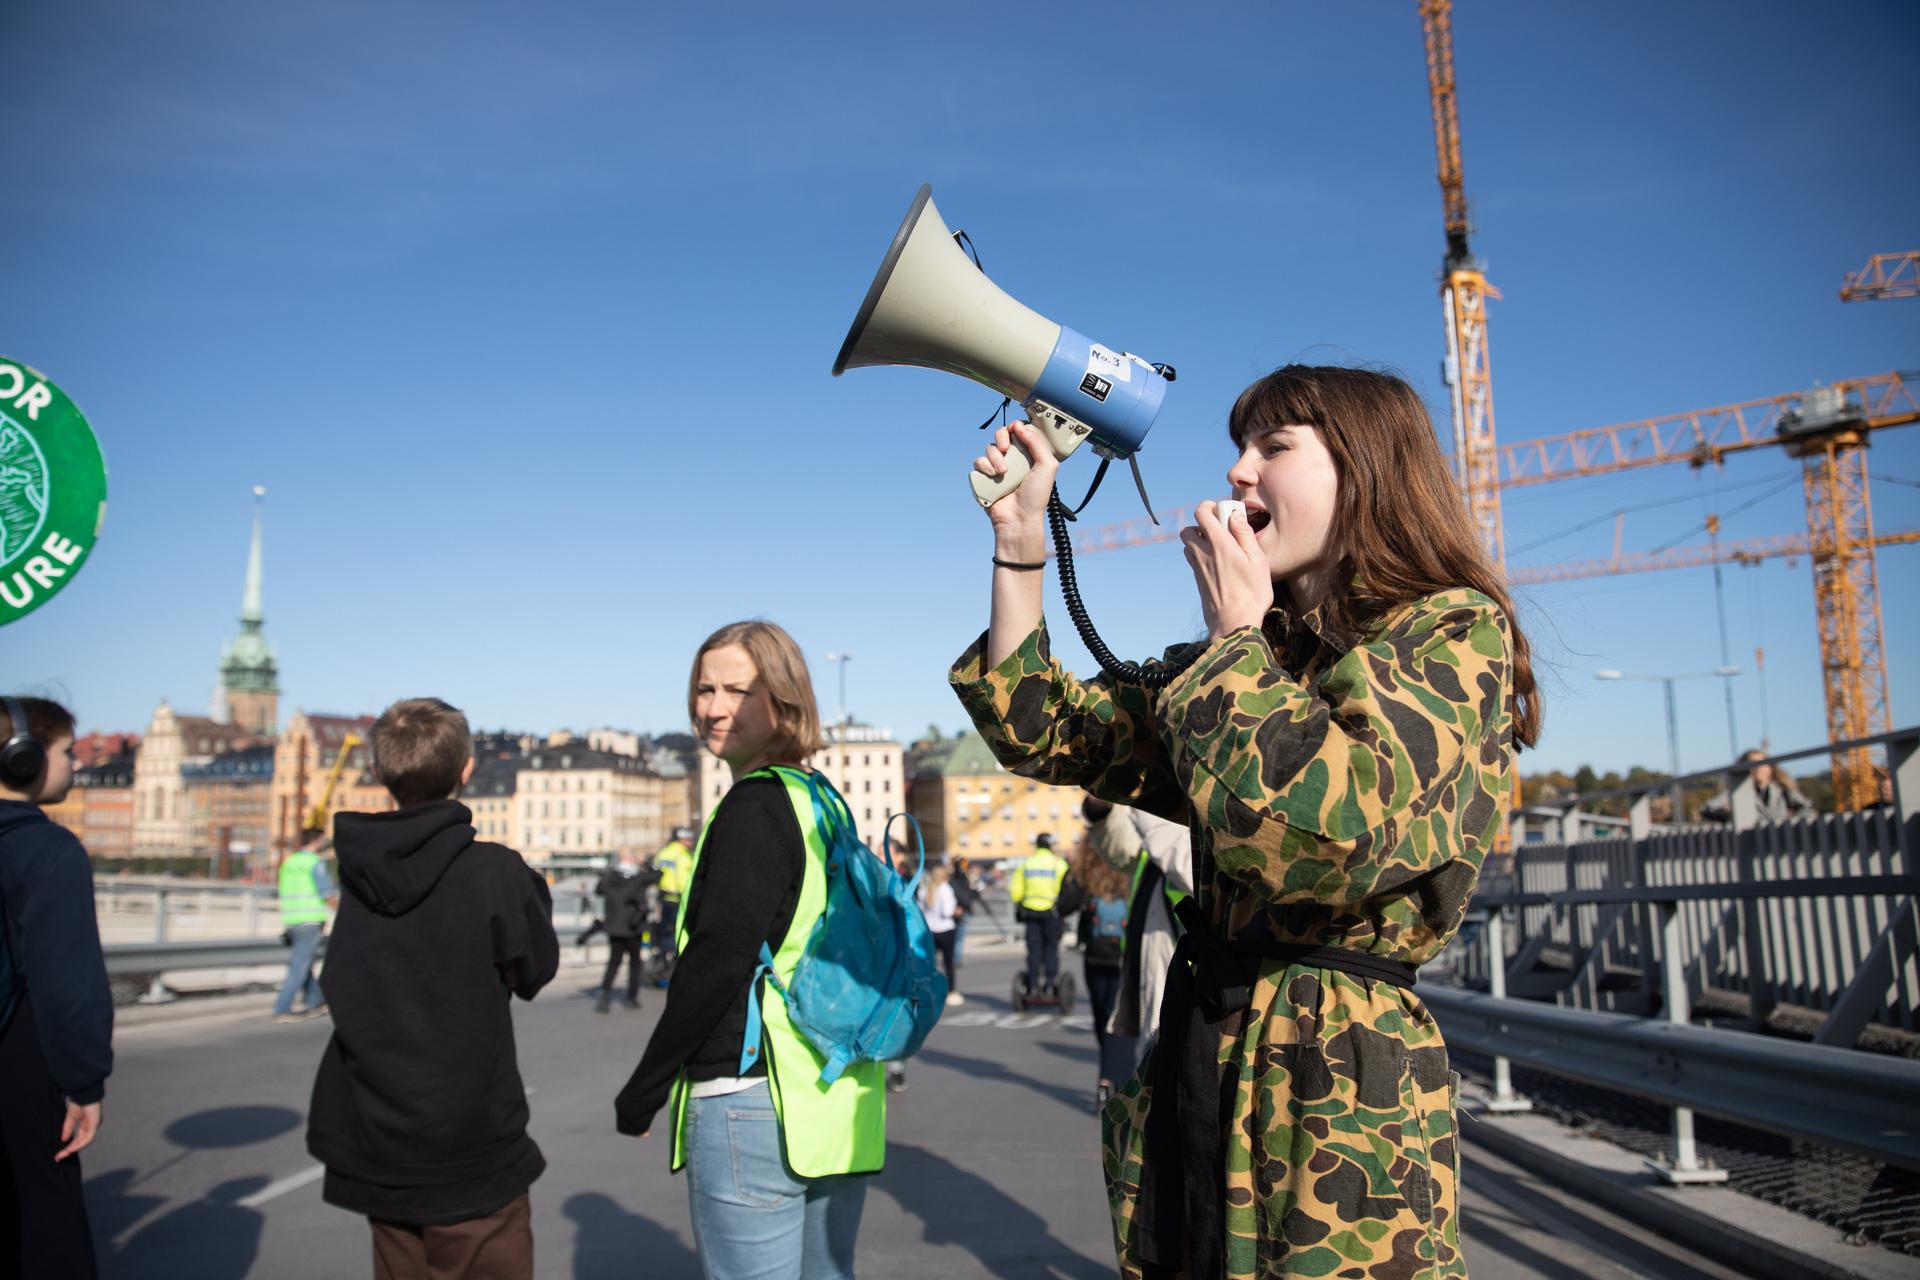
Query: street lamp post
[1673, 723]
[843, 659]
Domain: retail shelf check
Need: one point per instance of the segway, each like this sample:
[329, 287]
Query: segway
[1061, 996]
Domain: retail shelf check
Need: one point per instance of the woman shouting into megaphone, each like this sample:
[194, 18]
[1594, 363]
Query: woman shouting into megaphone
[1341, 746]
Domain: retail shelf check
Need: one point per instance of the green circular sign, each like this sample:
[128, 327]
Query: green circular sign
[53, 490]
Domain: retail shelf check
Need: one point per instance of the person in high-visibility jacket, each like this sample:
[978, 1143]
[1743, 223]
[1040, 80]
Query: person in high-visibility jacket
[1035, 889]
[673, 862]
[771, 1150]
[306, 891]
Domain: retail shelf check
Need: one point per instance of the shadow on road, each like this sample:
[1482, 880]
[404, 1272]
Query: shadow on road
[211, 1239]
[231, 1127]
[961, 1208]
[1076, 1100]
[1079, 1051]
[609, 1242]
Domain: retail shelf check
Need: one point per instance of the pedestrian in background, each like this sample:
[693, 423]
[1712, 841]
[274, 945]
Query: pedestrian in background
[769, 1169]
[419, 1112]
[306, 895]
[1157, 856]
[968, 898]
[1776, 798]
[1035, 888]
[941, 906]
[56, 1009]
[624, 918]
[1096, 896]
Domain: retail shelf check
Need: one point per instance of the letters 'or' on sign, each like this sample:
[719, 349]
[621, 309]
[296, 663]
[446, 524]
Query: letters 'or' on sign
[53, 490]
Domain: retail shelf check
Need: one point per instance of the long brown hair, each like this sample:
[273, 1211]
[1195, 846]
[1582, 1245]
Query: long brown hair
[1400, 528]
[1100, 878]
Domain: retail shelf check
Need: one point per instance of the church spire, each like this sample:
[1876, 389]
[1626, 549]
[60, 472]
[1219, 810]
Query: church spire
[250, 609]
[249, 691]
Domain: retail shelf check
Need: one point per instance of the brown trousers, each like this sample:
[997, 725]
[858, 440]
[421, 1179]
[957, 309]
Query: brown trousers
[496, 1247]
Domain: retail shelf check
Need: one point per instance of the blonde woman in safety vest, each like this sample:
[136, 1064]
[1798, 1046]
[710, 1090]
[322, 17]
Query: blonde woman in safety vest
[770, 1151]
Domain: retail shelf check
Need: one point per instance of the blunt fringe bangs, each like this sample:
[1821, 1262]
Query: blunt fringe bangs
[783, 668]
[1400, 527]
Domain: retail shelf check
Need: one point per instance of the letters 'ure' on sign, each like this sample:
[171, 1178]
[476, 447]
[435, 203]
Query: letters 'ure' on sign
[53, 490]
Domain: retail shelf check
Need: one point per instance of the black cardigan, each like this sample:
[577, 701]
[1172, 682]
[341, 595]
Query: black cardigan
[743, 894]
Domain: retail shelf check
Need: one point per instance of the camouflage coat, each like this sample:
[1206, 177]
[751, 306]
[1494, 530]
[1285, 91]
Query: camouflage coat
[1338, 796]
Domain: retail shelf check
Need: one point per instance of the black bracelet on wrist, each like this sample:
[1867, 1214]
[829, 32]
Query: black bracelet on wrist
[1019, 564]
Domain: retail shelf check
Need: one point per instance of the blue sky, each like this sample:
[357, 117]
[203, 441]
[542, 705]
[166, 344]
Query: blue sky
[524, 317]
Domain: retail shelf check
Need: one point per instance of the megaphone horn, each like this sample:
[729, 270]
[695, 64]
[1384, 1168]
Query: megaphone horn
[930, 306]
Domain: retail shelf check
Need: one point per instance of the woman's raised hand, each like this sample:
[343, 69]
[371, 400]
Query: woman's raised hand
[1019, 519]
[1230, 569]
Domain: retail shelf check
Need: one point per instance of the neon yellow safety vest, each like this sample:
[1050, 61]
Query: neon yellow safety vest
[671, 863]
[824, 1129]
[300, 902]
[1036, 882]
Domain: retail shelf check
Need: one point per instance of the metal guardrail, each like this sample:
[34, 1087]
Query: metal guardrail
[1860, 1102]
[163, 957]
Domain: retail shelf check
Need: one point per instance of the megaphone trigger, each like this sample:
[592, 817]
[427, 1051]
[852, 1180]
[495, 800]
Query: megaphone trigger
[1062, 434]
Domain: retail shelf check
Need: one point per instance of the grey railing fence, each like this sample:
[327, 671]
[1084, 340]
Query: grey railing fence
[1812, 919]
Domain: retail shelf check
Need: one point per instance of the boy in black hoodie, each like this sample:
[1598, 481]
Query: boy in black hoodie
[418, 1111]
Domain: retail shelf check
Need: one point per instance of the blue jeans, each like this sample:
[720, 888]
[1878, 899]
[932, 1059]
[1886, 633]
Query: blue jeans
[960, 939]
[306, 941]
[752, 1218]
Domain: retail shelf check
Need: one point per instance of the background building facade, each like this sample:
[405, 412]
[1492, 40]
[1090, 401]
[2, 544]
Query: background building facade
[228, 800]
[160, 817]
[968, 806]
[576, 801]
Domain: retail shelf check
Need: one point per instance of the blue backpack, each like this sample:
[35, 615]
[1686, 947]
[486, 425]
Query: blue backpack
[866, 988]
[1109, 917]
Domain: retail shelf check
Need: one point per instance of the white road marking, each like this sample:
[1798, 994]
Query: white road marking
[1017, 1021]
[274, 1190]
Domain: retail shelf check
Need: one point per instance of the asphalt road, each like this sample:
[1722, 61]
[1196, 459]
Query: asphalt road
[201, 1172]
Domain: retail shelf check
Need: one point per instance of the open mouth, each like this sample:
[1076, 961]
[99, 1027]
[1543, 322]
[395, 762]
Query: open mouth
[1257, 519]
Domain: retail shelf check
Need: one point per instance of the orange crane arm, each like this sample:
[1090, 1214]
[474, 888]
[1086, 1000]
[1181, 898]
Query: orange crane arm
[1436, 21]
[1886, 275]
[317, 816]
[1749, 551]
[1700, 437]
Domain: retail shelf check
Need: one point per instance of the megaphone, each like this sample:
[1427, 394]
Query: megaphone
[929, 305]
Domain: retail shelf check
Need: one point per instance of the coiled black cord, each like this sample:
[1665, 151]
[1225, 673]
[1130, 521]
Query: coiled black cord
[1132, 672]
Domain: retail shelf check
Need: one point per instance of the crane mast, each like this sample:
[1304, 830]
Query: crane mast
[1464, 294]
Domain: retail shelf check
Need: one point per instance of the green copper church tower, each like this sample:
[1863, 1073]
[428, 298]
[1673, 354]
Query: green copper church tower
[249, 693]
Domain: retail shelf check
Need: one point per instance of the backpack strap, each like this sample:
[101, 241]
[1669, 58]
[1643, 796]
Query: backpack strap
[886, 844]
[750, 1040]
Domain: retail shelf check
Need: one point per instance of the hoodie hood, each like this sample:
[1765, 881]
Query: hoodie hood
[15, 812]
[392, 861]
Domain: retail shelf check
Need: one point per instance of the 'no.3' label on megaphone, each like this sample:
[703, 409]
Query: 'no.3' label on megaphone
[53, 490]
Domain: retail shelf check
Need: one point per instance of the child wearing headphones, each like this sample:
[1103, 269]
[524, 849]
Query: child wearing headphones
[56, 1010]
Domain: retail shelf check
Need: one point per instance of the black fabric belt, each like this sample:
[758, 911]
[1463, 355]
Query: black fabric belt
[1181, 1212]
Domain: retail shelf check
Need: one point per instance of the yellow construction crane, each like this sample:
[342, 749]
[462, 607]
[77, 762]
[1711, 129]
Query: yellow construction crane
[1886, 275]
[1827, 429]
[1464, 293]
[317, 816]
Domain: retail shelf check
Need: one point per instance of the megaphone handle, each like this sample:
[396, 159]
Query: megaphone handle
[1063, 435]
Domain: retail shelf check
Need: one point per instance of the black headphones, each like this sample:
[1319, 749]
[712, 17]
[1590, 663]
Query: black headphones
[23, 757]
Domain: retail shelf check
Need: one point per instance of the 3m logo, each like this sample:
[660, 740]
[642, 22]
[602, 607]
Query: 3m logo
[1096, 386]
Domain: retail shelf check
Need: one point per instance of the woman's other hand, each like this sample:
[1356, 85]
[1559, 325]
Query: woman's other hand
[1019, 519]
[1230, 569]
